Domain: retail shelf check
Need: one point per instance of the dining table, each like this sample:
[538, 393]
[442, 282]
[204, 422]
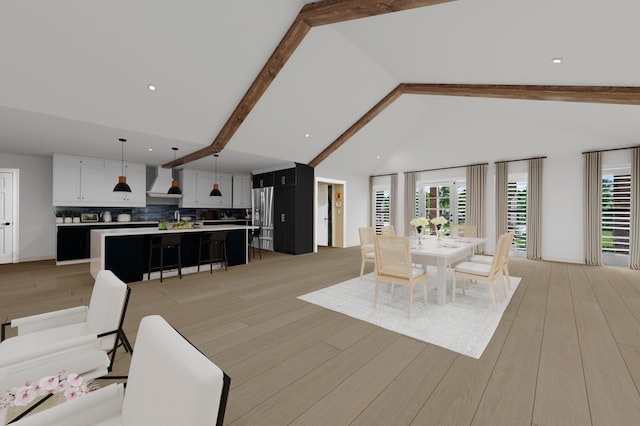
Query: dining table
[442, 252]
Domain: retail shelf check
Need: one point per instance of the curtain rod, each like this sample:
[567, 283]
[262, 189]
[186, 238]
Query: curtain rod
[612, 149]
[522, 159]
[388, 174]
[447, 168]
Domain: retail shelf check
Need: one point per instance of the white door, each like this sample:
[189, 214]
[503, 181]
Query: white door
[322, 215]
[6, 217]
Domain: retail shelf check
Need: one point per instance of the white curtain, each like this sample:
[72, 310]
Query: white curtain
[476, 196]
[502, 183]
[409, 200]
[634, 231]
[393, 200]
[592, 196]
[534, 209]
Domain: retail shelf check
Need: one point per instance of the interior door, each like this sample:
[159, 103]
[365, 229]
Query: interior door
[6, 217]
[322, 215]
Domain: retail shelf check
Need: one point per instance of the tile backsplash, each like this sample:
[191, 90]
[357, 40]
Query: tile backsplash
[153, 212]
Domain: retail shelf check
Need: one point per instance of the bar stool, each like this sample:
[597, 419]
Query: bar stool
[164, 242]
[254, 236]
[216, 243]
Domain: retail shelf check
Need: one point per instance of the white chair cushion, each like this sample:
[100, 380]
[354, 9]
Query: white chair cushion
[86, 361]
[100, 407]
[480, 258]
[473, 268]
[30, 341]
[416, 272]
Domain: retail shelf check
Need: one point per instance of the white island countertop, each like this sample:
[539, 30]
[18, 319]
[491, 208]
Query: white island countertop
[98, 237]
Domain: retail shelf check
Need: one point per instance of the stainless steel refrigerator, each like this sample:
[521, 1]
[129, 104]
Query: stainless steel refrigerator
[262, 206]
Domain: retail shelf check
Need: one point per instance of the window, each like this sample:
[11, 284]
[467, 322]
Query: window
[381, 209]
[442, 199]
[616, 214]
[517, 210]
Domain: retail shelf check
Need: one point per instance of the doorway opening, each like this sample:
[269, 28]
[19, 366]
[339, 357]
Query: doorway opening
[329, 213]
[9, 215]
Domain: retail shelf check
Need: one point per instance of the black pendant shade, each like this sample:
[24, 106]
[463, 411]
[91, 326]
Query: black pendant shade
[174, 188]
[215, 192]
[122, 186]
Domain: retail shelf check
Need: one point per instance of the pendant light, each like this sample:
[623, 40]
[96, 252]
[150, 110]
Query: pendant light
[215, 192]
[174, 189]
[122, 186]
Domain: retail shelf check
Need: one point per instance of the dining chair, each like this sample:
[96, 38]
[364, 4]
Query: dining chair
[170, 382]
[388, 230]
[463, 230]
[506, 255]
[367, 254]
[393, 265]
[482, 272]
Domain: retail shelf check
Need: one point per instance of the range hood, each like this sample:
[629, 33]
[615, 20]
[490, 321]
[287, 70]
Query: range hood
[161, 184]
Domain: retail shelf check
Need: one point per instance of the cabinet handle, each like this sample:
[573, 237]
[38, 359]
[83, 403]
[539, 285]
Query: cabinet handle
[282, 217]
[261, 183]
[283, 180]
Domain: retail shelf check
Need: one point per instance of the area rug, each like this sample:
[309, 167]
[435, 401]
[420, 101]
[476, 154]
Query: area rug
[465, 327]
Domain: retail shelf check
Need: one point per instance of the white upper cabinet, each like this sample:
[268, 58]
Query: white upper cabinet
[77, 180]
[225, 183]
[82, 181]
[197, 185]
[241, 191]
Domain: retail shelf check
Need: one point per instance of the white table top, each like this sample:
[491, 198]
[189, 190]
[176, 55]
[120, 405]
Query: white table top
[446, 247]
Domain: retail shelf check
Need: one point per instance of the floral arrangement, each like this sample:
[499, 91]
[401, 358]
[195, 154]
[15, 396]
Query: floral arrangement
[439, 221]
[70, 384]
[419, 223]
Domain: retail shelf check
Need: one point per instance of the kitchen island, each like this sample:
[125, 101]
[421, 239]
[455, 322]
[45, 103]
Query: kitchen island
[126, 251]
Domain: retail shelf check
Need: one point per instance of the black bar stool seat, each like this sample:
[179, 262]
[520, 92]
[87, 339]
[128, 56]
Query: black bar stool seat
[216, 244]
[162, 243]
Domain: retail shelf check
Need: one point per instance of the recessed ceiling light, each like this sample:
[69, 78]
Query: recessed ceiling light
[378, 157]
[149, 149]
[151, 87]
[306, 135]
[557, 60]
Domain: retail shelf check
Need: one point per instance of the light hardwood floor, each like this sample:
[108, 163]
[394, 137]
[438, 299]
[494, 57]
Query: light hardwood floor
[567, 351]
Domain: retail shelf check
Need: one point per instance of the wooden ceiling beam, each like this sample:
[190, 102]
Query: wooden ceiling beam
[589, 94]
[311, 15]
[358, 125]
[624, 95]
[334, 11]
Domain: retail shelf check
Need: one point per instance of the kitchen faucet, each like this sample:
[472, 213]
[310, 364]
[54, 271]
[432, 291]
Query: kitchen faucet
[176, 215]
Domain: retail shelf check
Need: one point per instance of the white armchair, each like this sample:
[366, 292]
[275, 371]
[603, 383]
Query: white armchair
[170, 383]
[77, 339]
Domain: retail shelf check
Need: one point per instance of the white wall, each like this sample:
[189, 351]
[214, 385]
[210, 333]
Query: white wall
[36, 231]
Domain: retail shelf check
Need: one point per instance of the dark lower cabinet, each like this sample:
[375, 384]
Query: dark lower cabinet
[73, 242]
[128, 256]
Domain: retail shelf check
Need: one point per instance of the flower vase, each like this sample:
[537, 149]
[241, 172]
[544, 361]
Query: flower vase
[419, 230]
[438, 232]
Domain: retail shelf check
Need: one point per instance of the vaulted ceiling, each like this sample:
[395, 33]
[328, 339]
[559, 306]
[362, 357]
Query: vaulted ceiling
[75, 77]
